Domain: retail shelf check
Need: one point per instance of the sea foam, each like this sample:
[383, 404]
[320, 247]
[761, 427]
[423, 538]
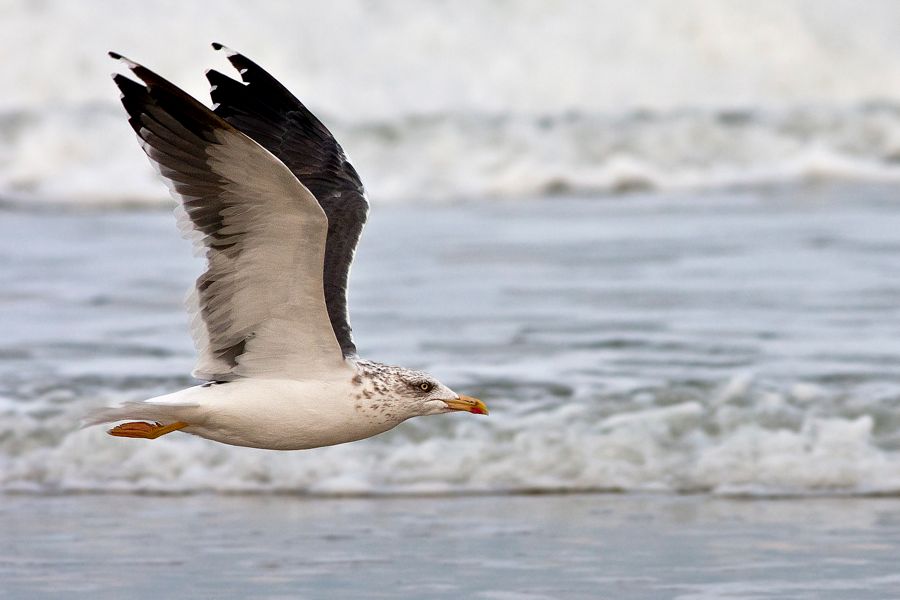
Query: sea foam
[436, 101]
[88, 156]
[735, 441]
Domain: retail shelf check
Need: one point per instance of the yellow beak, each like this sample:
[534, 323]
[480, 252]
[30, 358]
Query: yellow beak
[468, 404]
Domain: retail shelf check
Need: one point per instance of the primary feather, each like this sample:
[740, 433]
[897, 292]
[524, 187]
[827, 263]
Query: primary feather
[259, 306]
[267, 193]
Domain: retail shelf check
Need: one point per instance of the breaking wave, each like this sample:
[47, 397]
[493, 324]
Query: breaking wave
[445, 157]
[437, 101]
[737, 439]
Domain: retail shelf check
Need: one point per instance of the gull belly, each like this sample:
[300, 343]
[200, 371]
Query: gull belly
[267, 194]
[276, 414]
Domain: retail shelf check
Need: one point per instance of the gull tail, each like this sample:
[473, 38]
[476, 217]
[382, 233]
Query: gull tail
[140, 411]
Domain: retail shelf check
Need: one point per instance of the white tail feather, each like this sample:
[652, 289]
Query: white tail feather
[139, 411]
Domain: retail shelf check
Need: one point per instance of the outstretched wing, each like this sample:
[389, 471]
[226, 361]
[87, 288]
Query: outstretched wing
[266, 111]
[260, 306]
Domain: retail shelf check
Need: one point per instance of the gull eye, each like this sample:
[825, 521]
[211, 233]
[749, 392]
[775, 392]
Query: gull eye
[426, 386]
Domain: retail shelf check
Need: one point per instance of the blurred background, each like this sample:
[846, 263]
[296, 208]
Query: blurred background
[659, 238]
[442, 100]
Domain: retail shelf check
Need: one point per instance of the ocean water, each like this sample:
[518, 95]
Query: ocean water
[438, 101]
[639, 547]
[660, 241]
[736, 342]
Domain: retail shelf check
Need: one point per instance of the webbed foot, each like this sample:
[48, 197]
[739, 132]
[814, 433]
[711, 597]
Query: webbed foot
[141, 429]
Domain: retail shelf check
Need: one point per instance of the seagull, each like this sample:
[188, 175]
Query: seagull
[268, 196]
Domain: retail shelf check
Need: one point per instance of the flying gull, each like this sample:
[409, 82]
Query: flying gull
[268, 195]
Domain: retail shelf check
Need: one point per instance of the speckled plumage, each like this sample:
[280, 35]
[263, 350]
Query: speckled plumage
[268, 195]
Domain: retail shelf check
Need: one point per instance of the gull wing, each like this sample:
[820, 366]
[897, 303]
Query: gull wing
[259, 309]
[266, 111]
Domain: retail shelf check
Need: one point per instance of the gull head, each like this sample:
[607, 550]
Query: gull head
[405, 393]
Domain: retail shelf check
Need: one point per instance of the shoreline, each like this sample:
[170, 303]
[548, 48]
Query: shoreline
[459, 494]
[518, 547]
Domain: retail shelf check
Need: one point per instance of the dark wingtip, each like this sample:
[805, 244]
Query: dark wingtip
[215, 77]
[118, 78]
[131, 64]
[228, 51]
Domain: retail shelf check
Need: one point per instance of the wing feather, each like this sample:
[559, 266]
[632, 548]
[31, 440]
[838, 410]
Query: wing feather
[259, 308]
[265, 110]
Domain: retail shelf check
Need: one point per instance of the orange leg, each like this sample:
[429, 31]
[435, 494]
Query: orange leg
[149, 431]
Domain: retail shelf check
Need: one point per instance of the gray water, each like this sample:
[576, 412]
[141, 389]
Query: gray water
[500, 547]
[738, 345]
[739, 342]
[439, 100]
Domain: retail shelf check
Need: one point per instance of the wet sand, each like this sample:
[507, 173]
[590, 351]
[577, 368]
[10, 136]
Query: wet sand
[498, 547]
[735, 343]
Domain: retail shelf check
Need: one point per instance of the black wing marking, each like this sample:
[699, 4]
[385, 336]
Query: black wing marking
[259, 309]
[266, 111]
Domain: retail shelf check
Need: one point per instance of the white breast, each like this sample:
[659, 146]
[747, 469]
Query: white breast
[281, 414]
